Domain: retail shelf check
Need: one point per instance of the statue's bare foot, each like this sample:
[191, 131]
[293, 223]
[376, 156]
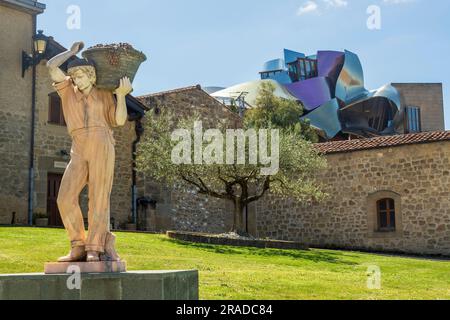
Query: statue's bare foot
[77, 254]
[93, 256]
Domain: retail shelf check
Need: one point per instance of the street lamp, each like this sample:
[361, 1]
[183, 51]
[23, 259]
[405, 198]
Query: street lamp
[40, 46]
[40, 42]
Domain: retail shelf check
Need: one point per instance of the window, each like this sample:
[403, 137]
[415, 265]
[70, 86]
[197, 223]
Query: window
[303, 69]
[386, 215]
[55, 111]
[412, 120]
[270, 74]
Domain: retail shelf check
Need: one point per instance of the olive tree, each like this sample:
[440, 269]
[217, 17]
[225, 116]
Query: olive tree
[235, 165]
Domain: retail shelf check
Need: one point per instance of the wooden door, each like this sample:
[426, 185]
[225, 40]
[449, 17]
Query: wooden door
[53, 184]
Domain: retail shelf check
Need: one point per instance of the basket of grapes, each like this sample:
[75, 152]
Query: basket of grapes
[113, 62]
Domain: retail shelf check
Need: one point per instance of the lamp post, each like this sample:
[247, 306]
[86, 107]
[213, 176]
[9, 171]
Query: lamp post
[40, 42]
[39, 47]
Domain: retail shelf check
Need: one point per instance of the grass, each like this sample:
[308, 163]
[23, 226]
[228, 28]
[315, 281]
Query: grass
[246, 273]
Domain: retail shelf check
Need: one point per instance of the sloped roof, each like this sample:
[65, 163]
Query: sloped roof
[162, 93]
[382, 142]
[30, 6]
[146, 98]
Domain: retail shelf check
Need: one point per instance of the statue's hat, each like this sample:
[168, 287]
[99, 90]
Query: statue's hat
[80, 63]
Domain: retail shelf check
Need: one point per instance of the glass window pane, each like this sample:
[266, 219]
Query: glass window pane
[382, 205]
[383, 220]
[417, 119]
[302, 68]
[55, 110]
[392, 224]
[410, 120]
[391, 204]
[413, 119]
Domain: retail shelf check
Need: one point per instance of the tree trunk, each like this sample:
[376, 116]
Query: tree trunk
[239, 226]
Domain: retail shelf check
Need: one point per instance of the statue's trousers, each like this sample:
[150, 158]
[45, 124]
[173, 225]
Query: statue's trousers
[92, 164]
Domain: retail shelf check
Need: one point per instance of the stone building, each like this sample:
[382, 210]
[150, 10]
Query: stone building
[428, 99]
[17, 25]
[385, 194]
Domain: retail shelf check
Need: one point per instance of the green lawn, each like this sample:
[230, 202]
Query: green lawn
[246, 273]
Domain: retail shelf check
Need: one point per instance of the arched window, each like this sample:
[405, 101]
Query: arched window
[386, 215]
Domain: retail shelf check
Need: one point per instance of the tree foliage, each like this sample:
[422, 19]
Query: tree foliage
[273, 111]
[241, 184]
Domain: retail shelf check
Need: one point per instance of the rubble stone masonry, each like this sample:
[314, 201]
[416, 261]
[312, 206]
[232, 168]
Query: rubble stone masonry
[416, 176]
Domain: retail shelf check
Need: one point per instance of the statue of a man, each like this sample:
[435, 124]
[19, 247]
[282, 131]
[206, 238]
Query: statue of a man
[90, 113]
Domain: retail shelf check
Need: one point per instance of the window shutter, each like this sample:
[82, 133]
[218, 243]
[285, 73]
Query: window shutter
[55, 113]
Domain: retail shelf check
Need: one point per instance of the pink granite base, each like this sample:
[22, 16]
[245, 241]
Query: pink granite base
[86, 267]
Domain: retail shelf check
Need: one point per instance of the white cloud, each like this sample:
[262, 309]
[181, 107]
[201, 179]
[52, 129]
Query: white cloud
[336, 3]
[315, 6]
[307, 7]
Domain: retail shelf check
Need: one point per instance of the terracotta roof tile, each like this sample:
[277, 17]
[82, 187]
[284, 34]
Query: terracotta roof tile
[382, 142]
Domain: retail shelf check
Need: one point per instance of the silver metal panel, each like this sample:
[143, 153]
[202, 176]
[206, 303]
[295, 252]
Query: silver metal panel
[350, 84]
[326, 117]
[274, 65]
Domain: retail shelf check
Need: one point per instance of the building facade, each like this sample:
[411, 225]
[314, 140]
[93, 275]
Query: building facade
[17, 25]
[427, 100]
[385, 194]
[330, 87]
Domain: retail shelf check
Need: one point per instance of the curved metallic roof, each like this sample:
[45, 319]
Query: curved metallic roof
[251, 89]
[335, 100]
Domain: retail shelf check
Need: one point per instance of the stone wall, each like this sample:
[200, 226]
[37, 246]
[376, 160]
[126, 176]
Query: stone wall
[50, 140]
[197, 213]
[16, 28]
[429, 98]
[416, 176]
[121, 194]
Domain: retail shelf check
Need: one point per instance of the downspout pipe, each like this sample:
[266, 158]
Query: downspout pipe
[32, 133]
[139, 132]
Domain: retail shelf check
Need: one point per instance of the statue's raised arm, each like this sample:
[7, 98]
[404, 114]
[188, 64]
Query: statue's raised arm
[53, 64]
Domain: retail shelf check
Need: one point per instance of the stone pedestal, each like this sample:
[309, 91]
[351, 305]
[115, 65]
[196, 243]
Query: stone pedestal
[86, 267]
[136, 285]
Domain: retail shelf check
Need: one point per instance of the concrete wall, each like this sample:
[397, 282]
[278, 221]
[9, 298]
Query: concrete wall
[429, 98]
[16, 29]
[416, 176]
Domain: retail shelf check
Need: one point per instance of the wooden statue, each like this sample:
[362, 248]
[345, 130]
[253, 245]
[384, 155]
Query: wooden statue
[90, 113]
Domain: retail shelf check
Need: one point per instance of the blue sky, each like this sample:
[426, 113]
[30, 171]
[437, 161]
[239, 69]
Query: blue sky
[222, 43]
